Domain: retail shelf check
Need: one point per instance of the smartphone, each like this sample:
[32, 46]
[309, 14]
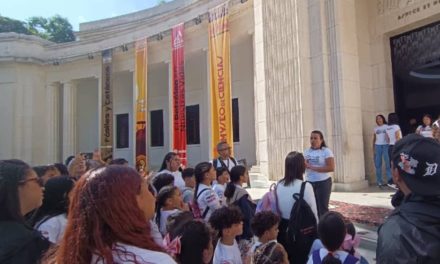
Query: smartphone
[88, 155]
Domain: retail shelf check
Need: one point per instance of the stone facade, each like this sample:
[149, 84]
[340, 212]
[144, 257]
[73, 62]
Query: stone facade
[297, 65]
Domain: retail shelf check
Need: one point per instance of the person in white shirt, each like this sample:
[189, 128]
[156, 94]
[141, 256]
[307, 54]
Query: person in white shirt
[224, 158]
[425, 129]
[319, 163]
[228, 222]
[220, 186]
[394, 133]
[108, 220]
[168, 202]
[205, 197]
[51, 218]
[295, 166]
[380, 150]
[190, 183]
[171, 165]
[332, 231]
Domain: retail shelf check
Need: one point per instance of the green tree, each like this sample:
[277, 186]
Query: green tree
[11, 25]
[56, 28]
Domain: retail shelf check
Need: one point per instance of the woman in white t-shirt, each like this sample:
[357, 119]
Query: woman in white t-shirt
[319, 163]
[425, 129]
[393, 132]
[380, 150]
[108, 220]
[171, 165]
[205, 197]
[295, 166]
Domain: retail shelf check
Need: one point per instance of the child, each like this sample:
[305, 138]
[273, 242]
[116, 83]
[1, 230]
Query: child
[271, 252]
[228, 221]
[265, 227]
[162, 180]
[205, 199]
[190, 183]
[332, 231]
[222, 180]
[168, 202]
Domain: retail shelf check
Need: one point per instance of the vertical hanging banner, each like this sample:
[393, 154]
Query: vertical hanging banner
[219, 61]
[106, 107]
[179, 120]
[141, 106]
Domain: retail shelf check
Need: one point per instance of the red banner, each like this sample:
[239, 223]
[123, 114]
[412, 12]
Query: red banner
[179, 119]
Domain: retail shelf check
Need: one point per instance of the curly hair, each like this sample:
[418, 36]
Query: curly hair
[264, 221]
[225, 217]
[196, 237]
[269, 253]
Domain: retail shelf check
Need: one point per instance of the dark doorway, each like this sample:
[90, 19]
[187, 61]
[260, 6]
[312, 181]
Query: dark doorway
[416, 74]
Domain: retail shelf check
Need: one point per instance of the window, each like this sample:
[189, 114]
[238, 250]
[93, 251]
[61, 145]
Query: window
[235, 120]
[192, 125]
[156, 126]
[122, 129]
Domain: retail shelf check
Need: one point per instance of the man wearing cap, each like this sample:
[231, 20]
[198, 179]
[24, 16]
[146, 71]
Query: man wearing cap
[411, 234]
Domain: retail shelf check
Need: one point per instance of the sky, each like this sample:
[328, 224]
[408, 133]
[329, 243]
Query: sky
[76, 11]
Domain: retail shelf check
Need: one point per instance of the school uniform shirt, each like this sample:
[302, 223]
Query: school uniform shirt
[142, 255]
[286, 201]
[381, 135]
[323, 252]
[425, 131]
[155, 233]
[391, 132]
[316, 158]
[207, 199]
[164, 214]
[53, 228]
[178, 180]
[219, 189]
[225, 254]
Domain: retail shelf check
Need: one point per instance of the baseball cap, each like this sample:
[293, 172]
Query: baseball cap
[418, 161]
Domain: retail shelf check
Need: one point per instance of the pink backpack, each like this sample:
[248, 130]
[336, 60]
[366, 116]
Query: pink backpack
[269, 201]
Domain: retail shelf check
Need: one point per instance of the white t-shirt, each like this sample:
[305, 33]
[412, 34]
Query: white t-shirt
[316, 158]
[207, 199]
[142, 256]
[391, 132]
[219, 189]
[155, 233]
[381, 135]
[53, 228]
[339, 254]
[425, 131]
[225, 254]
[286, 201]
[178, 180]
[229, 163]
[164, 219]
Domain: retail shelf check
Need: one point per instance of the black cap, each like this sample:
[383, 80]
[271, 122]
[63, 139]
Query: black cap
[418, 161]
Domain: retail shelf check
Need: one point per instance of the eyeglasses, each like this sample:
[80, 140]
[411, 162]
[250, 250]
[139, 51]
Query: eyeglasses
[36, 179]
[228, 148]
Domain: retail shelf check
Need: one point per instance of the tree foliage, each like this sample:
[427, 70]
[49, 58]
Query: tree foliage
[56, 28]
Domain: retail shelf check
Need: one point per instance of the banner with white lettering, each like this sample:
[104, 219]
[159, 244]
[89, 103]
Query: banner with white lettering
[106, 107]
[141, 106]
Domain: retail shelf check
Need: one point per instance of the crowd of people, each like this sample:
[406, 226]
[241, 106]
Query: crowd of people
[94, 212]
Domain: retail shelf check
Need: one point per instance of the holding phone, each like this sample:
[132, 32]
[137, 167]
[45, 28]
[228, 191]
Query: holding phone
[88, 155]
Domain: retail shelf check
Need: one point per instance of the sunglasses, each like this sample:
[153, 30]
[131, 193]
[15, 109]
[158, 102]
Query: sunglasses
[38, 180]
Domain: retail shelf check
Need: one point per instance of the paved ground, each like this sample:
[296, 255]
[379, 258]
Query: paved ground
[366, 208]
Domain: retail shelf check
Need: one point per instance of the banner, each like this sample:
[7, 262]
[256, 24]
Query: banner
[219, 61]
[179, 120]
[106, 147]
[141, 106]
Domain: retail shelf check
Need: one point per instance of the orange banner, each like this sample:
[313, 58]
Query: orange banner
[141, 106]
[179, 120]
[106, 107]
[220, 74]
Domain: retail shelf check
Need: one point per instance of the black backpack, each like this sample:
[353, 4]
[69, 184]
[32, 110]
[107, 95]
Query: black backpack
[301, 228]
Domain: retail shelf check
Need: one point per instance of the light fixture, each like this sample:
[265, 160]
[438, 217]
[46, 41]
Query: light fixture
[198, 20]
[243, 1]
[90, 56]
[56, 63]
[159, 36]
[124, 48]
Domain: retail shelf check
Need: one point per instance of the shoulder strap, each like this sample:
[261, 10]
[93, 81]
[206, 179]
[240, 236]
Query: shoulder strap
[316, 257]
[303, 187]
[350, 259]
[200, 193]
[233, 160]
[215, 163]
[205, 212]
[276, 199]
[298, 198]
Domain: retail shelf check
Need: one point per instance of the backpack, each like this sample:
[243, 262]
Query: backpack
[269, 201]
[350, 259]
[195, 209]
[301, 228]
[216, 161]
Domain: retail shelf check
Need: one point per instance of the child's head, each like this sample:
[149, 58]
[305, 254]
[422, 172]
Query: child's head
[196, 243]
[265, 225]
[239, 174]
[162, 180]
[332, 230]
[270, 253]
[351, 241]
[222, 175]
[168, 198]
[189, 178]
[228, 221]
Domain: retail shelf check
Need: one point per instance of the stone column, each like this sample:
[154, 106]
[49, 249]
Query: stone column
[343, 65]
[52, 96]
[69, 119]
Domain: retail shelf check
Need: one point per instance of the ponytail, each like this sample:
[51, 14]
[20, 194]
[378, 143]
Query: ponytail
[330, 259]
[229, 190]
[164, 194]
[235, 175]
[199, 174]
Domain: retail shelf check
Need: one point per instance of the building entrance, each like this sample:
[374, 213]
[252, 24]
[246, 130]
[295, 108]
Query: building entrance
[416, 74]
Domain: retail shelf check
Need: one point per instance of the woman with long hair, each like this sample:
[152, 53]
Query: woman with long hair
[294, 168]
[204, 196]
[380, 150]
[108, 220]
[171, 165]
[425, 129]
[51, 218]
[20, 193]
[319, 163]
